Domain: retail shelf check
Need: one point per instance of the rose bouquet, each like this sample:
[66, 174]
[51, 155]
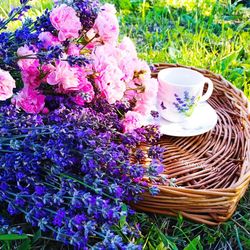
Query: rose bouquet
[73, 50]
[73, 99]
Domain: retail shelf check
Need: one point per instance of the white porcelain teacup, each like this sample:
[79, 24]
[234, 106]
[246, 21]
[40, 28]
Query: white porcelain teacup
[180, 92]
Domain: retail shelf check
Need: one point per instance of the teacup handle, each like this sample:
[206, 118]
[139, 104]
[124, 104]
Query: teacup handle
[209, 90]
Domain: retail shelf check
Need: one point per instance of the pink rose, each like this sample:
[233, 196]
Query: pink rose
[110, 82]
[30, 100]
[146, 99]
[25, 51]
[46, 70]
[74, 50]
[140, 77]
[128, 46]
[31, 76]
[92, 39]
[48, 39]
[106, 24]
[65, 77]
[85, 95]
[86, 91]
[127, 58]
[132, 121]
[82, 75]
[29, 67]
[108, 74]
[65, 20]
[127, 65]
[7, 84]
[115, 89]
[142, 71]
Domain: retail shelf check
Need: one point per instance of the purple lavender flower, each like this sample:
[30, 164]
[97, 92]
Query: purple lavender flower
[88, 11]
[53, 52]
[156, 152]
[155, 168]
[6, 228]
[43, 23]
[69, 172]
[139, 155]
[154, 114]
[154, 190]
[78, 60]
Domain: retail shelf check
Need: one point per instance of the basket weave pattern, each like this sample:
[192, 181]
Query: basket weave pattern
[211, 171]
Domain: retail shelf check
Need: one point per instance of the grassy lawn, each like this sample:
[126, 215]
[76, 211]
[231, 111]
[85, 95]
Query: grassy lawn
[208, 34]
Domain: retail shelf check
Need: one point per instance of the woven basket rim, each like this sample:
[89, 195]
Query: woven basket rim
[206, 202]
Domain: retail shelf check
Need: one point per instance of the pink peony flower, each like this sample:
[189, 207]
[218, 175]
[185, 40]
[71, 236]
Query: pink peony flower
[73, 50]
[82, 75]
[127, 58]
[128, 47]
[47, 69]
[29, 67]
[64, 76]
[7, 84]
[108, 74]
[106, 24]
[146, 99]
[86, 95]
[48, 39]
[31, 77]
[132, 121]
[65, 20]
[142, 71]
[114, 91]
[26, 51]
[30, 100]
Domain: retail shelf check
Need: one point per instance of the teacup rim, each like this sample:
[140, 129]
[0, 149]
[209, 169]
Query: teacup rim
[161, 72]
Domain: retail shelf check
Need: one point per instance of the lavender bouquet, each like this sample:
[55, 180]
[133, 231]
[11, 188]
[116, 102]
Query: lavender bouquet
[73, 99]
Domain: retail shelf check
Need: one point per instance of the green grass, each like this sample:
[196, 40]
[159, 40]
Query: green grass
[215, 37]
[38, 7]
[206, 34]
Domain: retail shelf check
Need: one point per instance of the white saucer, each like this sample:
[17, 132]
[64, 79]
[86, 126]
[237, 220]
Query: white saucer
[202, 120]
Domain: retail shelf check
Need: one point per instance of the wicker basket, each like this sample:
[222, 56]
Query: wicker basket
[211, 171]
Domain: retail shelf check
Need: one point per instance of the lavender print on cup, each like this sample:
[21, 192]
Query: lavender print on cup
[180, 92]
[186, 105]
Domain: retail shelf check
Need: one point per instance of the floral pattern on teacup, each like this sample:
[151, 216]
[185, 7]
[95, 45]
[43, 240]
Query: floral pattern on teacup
[187, 104]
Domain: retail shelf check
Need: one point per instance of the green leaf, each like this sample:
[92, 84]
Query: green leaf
[166, 241]
[180, 219]
[227, 60]
[125, 4]
[161, 247]
[13, 237]
[194, 244]
[36, 236]
[150, 246]
[122, 221]
[25, 245]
